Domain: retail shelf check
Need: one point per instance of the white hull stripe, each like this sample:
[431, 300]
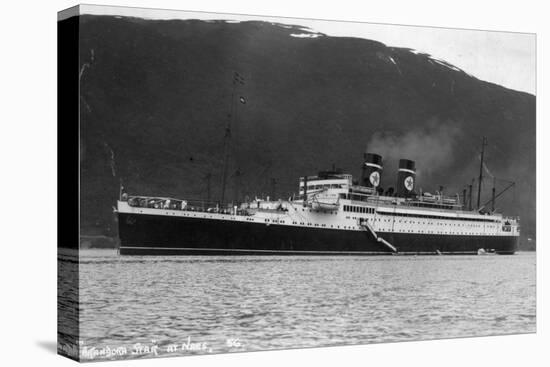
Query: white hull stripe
[373, 165]
[287, 251]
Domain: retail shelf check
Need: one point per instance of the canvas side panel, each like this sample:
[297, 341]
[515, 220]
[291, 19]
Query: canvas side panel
[68, 172]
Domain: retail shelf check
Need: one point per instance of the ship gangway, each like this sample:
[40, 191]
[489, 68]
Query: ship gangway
[364, 223]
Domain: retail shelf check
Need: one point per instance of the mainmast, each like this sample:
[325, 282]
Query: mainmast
[237, 79]
[208, 177]
[483, 144]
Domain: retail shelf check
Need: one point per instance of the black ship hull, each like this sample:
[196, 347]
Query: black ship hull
[142, 234]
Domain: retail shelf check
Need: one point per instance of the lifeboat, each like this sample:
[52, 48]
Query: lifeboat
[325, 201]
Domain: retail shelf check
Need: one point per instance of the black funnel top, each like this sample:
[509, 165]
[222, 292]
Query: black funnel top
[407, 164]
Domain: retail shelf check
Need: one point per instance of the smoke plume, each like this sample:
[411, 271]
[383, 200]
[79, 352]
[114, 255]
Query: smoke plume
[431, 147]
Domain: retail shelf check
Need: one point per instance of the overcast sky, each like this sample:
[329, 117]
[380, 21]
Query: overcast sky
[504, 58]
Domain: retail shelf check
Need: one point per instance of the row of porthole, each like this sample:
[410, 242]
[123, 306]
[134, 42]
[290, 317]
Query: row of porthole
[448, 224]
[324, 225]
[346, 227]
[275, 221]
[210, 216]
[411, 222]
[436, 232]
[440, 217]
[462, 233]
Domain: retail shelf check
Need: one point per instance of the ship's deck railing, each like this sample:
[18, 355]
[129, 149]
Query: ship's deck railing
[156, 202]
[390, 202]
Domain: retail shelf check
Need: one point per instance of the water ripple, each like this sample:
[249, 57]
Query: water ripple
[257, 303]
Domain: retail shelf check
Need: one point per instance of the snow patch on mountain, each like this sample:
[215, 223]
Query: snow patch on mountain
[305, 35]
[434, 60]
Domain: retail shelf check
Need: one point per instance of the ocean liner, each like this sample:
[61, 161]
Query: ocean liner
[330, 215]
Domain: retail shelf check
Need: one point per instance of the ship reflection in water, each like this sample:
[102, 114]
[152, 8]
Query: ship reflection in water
[199, 305]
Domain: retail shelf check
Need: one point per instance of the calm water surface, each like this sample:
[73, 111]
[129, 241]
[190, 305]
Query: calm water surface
[189, 305]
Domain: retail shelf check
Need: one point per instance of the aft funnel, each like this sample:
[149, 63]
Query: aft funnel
[406, 178]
